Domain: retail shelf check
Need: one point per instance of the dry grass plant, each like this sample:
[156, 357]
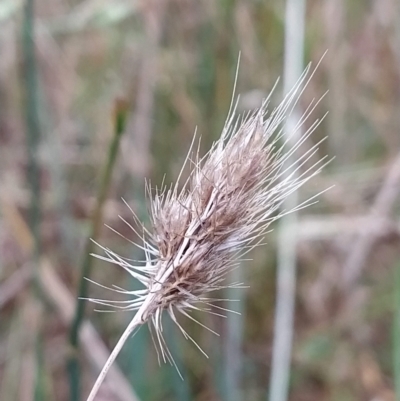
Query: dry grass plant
[203, 229]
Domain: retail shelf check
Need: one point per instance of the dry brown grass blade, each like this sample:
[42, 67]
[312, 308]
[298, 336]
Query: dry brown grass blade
[381, 208]
[17, 224]
[327, 228]
[13, 285]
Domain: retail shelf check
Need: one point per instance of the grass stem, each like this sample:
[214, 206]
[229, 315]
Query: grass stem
[96, 221]
[287, 242]
[396, 333]
[30, 83]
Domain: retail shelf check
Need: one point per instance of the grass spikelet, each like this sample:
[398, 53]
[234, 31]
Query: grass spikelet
[201, 229]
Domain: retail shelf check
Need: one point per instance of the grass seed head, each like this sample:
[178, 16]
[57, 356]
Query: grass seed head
[201, 228]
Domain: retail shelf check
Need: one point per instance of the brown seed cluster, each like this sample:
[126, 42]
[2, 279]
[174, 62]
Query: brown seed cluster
[199, 230]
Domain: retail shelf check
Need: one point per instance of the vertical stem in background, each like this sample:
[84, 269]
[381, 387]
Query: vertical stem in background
[181, 388]
[396, 317]
[41, 378]
[32, 365]
[233, 344]
[396, 333]
[31, 374]
[96, 221]
[334, 26]
[30, 83]
[286, 270]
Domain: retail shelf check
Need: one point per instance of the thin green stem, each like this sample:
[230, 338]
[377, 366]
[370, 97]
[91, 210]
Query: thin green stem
[30, 84]
[33, 136]
[396, 333]
[40, 385]
[96, 222]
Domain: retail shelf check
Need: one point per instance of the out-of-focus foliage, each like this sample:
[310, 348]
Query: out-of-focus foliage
[174, 61]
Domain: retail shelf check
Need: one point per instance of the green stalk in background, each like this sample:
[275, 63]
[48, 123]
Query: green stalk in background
[40, 384]
[96, 222]
[33, 138]
[396, 333]
[30, 83]
[233, 341]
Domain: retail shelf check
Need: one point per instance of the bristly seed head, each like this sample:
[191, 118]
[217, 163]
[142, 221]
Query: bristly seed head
[201, 229]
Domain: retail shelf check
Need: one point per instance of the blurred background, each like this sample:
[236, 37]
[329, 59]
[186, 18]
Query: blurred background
[96, 96]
